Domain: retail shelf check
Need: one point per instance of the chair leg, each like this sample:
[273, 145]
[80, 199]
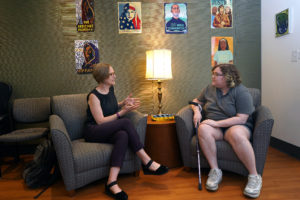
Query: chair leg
[71, 193]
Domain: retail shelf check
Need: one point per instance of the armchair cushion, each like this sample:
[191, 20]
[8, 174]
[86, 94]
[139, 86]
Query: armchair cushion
[92, 155]
[23, 135]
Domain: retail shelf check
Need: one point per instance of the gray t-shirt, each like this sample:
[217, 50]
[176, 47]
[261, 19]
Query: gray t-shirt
[217, 106]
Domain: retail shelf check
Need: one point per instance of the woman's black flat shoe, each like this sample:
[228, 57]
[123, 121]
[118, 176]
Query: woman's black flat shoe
[160, 171]
[118, 196]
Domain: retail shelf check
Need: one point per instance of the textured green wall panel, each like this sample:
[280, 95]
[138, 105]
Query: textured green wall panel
[37, 49]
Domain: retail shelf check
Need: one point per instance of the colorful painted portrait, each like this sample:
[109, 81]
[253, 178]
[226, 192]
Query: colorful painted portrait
[221, 14]
[176, 18]
[86, 55]
[85, 15]
[130, 17]
[221, 50]
[282, 23]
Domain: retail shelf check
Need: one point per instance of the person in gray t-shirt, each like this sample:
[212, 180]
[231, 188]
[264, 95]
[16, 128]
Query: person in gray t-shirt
[227, 108]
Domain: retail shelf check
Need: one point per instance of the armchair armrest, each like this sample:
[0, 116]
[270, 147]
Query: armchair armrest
[185, 132]
[63, 147]
[139, 121]
[261, 135]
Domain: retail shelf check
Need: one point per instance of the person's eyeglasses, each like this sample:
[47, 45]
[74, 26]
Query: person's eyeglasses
[112, 74]
[216, 74]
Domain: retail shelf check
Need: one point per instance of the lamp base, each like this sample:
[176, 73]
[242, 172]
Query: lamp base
[159, 94]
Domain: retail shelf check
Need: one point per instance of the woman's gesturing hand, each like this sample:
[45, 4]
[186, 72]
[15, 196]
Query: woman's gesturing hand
[131, 101]
[130, 104]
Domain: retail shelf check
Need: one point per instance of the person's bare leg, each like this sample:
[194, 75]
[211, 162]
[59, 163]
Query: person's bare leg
[207, 136]
[238, 137]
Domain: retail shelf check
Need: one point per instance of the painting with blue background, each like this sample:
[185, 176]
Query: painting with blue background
[176, 24]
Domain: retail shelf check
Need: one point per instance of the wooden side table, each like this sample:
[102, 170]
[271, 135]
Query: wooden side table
[161, 142]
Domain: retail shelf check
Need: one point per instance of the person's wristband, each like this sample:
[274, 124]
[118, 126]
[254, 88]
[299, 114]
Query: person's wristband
[196, 104]
[200, 107]
[118, 115]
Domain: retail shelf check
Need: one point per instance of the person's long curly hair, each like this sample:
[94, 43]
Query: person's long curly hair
[230, 73]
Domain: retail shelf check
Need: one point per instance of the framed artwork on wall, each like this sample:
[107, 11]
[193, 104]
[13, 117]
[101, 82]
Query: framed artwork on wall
[176, 18]
[86, 54]
[130, 17]
[221, 14]
[283, 22]
[85, 15]
[221, 50]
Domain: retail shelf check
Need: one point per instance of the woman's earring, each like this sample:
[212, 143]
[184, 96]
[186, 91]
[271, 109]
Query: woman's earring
[232, 83]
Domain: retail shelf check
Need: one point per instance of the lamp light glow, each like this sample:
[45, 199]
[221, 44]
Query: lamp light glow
[159, 68]
[159, 64]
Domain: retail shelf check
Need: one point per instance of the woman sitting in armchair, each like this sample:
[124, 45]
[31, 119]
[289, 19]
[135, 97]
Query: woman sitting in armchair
[106, 125]
[227, 108]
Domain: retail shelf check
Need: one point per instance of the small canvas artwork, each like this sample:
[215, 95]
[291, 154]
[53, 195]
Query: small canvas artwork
[282, 21]
[130, 17]
[176, 18]
[86, 55]
[85, 15]
[221, 50]
[221, 14]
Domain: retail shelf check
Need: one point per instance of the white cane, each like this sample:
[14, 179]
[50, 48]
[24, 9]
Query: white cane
[198, 150]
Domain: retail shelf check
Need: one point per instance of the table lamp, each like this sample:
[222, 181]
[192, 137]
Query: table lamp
[159, 68]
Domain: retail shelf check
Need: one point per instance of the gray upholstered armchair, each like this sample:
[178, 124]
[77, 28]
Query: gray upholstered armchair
[227, 159]
[81, 162]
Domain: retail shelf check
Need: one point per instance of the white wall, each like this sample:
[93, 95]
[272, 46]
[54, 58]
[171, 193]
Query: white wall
[281, 76]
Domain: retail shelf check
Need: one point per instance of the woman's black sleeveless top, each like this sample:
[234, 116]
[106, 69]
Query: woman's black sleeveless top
[108, 103]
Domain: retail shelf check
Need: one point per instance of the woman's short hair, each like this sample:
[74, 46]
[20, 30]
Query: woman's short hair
[101, 72]
[230, 73]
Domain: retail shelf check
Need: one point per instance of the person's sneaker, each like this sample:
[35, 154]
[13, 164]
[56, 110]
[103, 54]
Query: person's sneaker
[253, 186]
[214, 178]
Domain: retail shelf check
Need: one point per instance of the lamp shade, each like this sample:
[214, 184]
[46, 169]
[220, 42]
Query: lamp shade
[158, 64]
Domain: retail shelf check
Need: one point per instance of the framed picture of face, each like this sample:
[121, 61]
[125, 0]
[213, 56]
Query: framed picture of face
[86, 55]
[283, 22]
[221, 14]
[130, 17]
[85, 15]
[176, 18]
[221, 50]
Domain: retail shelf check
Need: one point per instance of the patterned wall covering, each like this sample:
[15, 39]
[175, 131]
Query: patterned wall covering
[37, 49]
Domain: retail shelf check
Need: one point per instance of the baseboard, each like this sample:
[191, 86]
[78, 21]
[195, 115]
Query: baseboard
[285, 147]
